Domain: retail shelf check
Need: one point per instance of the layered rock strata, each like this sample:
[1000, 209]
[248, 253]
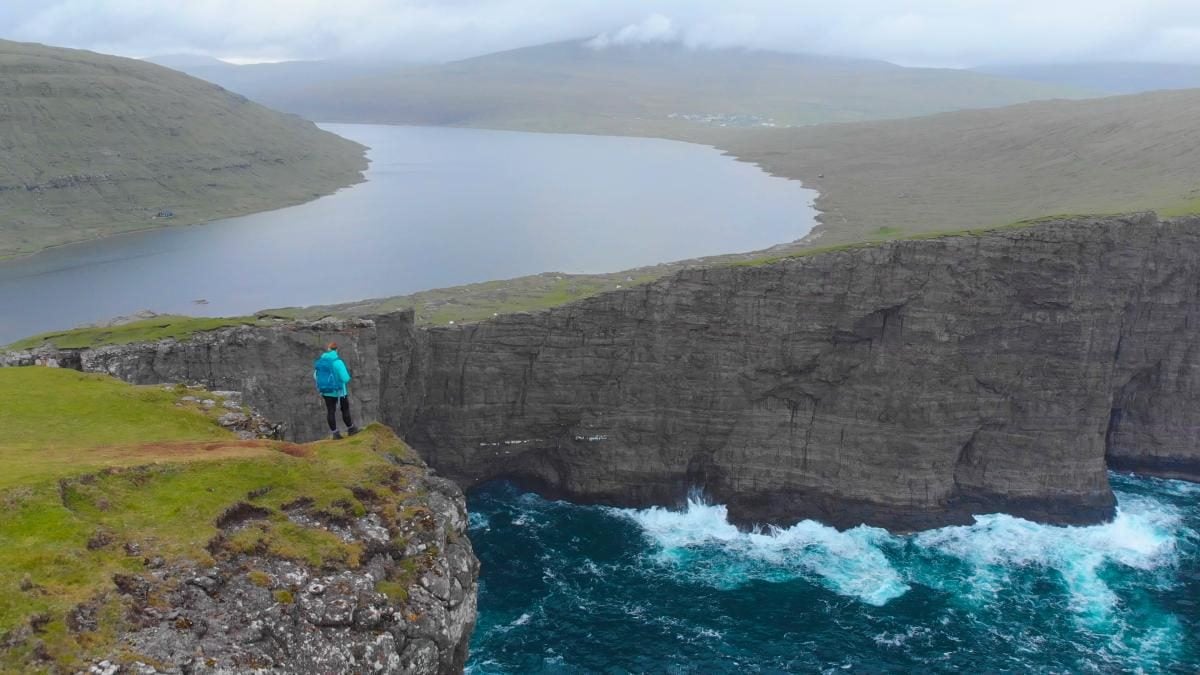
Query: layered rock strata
[909, 384]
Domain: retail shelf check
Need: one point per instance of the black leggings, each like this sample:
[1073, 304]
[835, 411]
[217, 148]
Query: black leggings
[331, 404]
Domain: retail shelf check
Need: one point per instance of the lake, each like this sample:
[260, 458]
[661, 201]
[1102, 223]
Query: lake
[440, 207]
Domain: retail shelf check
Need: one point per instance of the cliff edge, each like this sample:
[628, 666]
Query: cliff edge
[140, 535]
[908, 384]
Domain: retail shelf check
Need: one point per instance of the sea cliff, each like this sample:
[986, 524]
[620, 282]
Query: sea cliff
[908, 384]
[154, 530]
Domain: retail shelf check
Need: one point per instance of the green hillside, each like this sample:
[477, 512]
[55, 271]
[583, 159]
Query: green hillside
[94, 145]
[983, 168]
[644, 90]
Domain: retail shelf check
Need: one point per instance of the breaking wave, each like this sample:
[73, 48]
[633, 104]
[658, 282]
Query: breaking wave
[701, 543]
[570, 588]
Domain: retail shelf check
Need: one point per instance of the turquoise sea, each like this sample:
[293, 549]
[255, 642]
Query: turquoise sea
[586, 589]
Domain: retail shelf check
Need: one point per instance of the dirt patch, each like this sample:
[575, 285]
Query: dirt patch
[178, 451]
[364, 494]
[298, 504]
[101, 538]
[240, 513]
[294, 450]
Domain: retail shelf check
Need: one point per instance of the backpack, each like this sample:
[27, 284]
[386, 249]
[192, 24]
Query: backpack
[327, 377]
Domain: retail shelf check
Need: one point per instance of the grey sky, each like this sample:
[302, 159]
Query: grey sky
[916, 32]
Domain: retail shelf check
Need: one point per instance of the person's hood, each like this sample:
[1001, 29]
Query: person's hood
[331, 354]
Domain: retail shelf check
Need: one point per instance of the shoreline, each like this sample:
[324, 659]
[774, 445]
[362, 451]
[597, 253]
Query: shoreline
[177, 224]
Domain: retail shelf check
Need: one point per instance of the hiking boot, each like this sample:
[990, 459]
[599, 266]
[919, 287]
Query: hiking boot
[335, 435]
[352, 430]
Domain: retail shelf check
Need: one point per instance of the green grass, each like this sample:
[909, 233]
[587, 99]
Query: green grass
[1187, 208]
[401, 579]
[147, 330]
[895, 234]
[975, 168]
[86, 459]
[476, 302]
[49, 413]
[282, 538]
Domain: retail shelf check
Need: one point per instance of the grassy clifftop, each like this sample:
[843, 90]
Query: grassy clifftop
[147, 330]
[95, 145]
[102, 482]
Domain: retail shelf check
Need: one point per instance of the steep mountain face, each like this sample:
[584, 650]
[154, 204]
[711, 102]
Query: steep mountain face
[909, 384]
[95, 145]
[647, 89]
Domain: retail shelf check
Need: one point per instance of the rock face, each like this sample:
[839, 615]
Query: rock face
[908, 384]
[331, 621]
[256, 612]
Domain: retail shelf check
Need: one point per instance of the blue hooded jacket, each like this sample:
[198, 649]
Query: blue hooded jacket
[339, 367]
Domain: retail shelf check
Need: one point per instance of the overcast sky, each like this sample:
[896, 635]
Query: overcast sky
[916, 32]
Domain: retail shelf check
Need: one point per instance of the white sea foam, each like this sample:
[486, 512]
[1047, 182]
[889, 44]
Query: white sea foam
[1007, 580]
[702, 543]
[478, 521]
[1142, 536]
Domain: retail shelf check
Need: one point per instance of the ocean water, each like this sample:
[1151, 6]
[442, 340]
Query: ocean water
[585, 589]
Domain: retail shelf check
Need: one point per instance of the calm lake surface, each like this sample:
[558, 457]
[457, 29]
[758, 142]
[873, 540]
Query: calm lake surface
[440, 207]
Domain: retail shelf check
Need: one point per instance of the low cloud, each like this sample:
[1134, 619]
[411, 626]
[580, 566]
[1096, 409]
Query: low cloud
[654, 28]
[918, 32]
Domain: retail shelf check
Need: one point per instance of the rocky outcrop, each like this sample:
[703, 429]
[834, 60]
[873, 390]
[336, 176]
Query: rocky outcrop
[396, 594]
[257, 613]
[907, 384]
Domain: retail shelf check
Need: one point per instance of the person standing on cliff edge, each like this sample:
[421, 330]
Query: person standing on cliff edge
[331, 376]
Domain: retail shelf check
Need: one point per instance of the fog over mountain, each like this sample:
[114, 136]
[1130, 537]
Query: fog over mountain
[624, 88]
[919, 32]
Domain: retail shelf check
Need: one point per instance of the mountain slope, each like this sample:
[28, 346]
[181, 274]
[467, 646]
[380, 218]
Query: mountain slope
[989, 167]
[1114, 78]
[644, 89]
[95, 145]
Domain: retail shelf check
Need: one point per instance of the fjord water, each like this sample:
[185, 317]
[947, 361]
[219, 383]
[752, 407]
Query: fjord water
[579, 589]
[440, 207]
